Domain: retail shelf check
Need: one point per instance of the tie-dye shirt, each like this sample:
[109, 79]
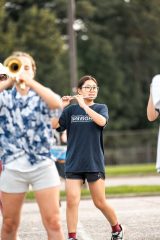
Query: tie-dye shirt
[25, 127]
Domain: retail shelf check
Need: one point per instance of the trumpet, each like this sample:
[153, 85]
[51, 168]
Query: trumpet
[14, 68]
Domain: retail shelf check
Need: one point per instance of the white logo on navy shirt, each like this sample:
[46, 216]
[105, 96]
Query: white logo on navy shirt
[80, 118]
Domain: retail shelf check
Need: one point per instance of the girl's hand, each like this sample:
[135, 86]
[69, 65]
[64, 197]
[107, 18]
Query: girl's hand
[10, 82]
[66, 100]
[80, 100]
[6, 84]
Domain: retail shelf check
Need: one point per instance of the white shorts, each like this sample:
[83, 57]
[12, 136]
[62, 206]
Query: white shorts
[12, 181]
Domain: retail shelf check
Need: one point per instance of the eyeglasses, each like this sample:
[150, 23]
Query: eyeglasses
[89, 88]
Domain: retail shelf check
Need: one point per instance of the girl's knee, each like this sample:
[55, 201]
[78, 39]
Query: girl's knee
[100, 203]
[53, 224]
[72, 203]
[72, 200]
[10, 225]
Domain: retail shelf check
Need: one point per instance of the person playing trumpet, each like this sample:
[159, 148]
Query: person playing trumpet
[3, 77]
[25, 143]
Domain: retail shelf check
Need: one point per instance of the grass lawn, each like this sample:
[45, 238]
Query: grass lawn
[118, 191]
[126, 191]
[130, 170]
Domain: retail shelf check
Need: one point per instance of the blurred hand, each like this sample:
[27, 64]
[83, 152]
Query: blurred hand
[3, 77]
[66, 100]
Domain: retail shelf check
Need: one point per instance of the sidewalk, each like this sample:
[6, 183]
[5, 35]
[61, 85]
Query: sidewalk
[133, 180]
[128, 180]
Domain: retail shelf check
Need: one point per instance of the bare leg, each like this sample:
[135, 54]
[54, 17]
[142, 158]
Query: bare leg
[97, 190]
[0, 203]
[12, 204]
[73, 191]
[48, 201]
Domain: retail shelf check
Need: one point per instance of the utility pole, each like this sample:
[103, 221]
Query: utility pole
[72, 45]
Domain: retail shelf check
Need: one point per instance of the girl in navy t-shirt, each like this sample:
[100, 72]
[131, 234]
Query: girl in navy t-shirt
[84, 123]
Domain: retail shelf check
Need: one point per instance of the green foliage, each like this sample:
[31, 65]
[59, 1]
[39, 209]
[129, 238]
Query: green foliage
[125, 139]
[36, 32]
[41, 37]
[129, 29]
[130, 146]
[6, 37]
[117, 42]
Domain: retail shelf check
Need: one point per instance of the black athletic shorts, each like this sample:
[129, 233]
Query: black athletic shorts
[89, 176]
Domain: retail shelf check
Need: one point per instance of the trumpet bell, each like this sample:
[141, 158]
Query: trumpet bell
[14, 68]
[13, 65]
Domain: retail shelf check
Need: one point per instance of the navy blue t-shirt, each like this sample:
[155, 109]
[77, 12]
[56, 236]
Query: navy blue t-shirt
[85, 151]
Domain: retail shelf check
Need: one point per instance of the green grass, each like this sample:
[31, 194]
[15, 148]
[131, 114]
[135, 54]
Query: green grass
[130, 170]
[124, 191]
[115, 191]
[135, 190]
[30, 196]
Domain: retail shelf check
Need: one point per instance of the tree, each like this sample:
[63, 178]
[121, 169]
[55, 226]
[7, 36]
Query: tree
[117, 42]
[119, 50]
[6, 37]
[37, 33]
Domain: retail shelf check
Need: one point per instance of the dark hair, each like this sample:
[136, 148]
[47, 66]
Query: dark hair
[84, 79]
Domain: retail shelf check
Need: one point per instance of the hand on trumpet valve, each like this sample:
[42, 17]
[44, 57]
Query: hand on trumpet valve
[3, 73]
[3, 77]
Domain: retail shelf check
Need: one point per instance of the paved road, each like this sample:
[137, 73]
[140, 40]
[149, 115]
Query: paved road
[139, 215]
